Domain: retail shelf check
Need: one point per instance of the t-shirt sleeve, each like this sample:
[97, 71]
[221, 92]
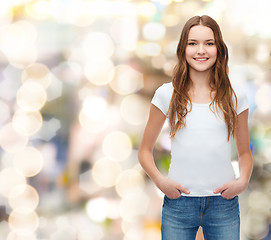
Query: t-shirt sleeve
[242, 101]
[161, 98]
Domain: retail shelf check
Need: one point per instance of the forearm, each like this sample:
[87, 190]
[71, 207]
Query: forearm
[245, 167]
[148, 164]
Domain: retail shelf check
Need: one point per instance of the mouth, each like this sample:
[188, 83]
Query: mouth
[201, 59]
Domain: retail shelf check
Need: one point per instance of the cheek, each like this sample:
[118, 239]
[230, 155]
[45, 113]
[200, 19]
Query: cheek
[188, 52]
[214, 52]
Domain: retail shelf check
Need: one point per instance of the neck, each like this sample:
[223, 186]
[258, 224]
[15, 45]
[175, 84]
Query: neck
[199, 81]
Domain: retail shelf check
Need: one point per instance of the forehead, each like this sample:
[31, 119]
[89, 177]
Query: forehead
[200, 32]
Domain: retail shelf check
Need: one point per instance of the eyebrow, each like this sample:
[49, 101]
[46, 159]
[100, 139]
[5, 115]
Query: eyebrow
[194, 40]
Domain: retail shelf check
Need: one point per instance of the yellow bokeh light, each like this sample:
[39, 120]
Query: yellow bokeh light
[98, 44]
[23, 220]
[31, 96]
[28, 161]
[146, 9]
[10, 139]
[27, 123]
[105, 172]
[99, 71]
[117, 146]
[38, 9]
[38, 73]
[134, 109]
[130, 183]
[9, 179]
[127, 80]
[24, 196]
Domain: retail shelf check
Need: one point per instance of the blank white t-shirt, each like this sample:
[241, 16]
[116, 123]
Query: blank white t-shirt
[200, 152]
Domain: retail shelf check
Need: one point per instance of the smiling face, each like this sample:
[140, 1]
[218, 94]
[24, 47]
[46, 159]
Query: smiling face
[201, 50]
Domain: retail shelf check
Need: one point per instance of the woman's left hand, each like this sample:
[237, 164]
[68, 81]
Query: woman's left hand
[231, 189]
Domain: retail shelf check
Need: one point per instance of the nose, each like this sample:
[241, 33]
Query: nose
[201, 49]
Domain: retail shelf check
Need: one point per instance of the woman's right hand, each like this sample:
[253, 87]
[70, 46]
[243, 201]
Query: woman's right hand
[171, 188]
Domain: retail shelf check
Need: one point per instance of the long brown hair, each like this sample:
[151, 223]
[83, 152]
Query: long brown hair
[219, 80]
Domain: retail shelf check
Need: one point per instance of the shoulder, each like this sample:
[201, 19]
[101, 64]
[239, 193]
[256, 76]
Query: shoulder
[242, 100]
[239, 91]
[165, 88]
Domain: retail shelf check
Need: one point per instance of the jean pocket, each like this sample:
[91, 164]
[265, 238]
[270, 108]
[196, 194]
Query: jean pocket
[173, 198]
[230, 199]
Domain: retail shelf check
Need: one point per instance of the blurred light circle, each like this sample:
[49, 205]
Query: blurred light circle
[129, 183]
[22, 56]
[28, 161]
[38, 73]
[23, 31]
[126, 80]
[10, 139]
[134, 109]
[4, 112]
[28, 197]
[105, 172]
[97, 209]
[134, 206]
[154, 31]
[77, 13]
[92, 116]
[256, 225]
[23, 221]
[90, 125]
[98, 44]
[27, 123]
[94, 107]
[9, 179]
[30, 33]
[6, 15]
[259, 200]
[38, 9]
[171, 20]
[146, 9]
[99, 71]
[263, 99]
[117, 146]
[152, 49]
[16, 236]
[31, 96]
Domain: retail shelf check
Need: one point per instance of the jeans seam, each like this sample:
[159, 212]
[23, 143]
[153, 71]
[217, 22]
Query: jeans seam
[207, 207]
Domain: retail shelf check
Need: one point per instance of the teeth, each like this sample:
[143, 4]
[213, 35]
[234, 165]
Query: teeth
[201, 59]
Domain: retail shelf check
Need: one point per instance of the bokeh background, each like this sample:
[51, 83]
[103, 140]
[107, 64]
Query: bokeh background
[76, 81]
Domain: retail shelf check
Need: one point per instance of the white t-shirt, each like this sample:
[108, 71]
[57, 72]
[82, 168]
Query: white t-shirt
[200, 152]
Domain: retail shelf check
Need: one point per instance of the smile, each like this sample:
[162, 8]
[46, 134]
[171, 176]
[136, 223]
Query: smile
[201, 59]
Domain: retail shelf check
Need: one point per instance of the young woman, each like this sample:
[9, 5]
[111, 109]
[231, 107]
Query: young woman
[203, 111]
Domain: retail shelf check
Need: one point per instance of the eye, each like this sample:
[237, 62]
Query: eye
[210, 44]
[191, 43]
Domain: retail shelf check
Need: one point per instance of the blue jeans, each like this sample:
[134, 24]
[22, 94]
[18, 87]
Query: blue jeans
[218, 217]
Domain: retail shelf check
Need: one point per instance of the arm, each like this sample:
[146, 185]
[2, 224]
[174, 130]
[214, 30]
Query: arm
[154, 125]
[241, 138]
